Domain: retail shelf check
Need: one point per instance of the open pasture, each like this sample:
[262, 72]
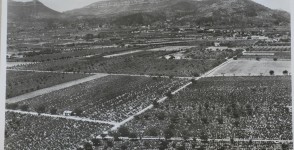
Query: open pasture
[28, 132]
[223, 108]
[21, 82]
[244, 67]
[111, 98]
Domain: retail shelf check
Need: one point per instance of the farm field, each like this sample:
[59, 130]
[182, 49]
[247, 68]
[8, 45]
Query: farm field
[222, 108]
[29, 132]
[110, 98]
[137, 63]
[21, 82]
[144, 62]
[62, 55]
[245, 67]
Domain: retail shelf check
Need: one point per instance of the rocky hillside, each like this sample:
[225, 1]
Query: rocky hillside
[19, 11]
[204, 11]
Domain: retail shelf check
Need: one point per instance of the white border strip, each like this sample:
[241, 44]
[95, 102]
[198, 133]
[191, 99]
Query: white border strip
[3, 70]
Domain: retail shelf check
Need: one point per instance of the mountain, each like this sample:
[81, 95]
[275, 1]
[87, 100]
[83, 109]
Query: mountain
[199, 11]
[19, 11]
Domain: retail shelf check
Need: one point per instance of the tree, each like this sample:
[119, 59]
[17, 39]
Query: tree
[204, 120]
[204, 137]
[185, 135]
[89, 37]
[53, 111]
[41, 109]
[152, 132]
[194, 81]
[163, 145]
[285, 72]
[271, 72]
[257, 58]
[168, 133]
[236, 123]
[195, 74]
[285, 146]
[88, 146]
[24, 107]
[124, 147]
[110, 144]
[96, 142]
[220, 120]
[124, 131]
[155, 104]
[160, 116]
[275, 59]
[132, 135]
[169, 95]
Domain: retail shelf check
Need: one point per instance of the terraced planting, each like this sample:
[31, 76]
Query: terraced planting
[111, 98]
[222, 108]
[28, 132]
[21, 82]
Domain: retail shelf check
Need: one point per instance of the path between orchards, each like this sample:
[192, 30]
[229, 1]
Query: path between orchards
[62, 116]
[164, 98]
[53, 88]
[193, 139]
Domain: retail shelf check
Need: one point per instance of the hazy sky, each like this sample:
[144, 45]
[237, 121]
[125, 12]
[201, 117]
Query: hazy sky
[63, 5]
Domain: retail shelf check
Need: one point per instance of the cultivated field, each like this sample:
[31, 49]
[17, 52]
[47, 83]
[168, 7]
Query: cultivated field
[227, 108]
[21, 82]
[28, 132]
[252, 68]
[111, 98]
[145, 62]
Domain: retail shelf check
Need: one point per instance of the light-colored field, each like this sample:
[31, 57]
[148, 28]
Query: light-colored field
[252, 68]
[121, 54]
[171, 48]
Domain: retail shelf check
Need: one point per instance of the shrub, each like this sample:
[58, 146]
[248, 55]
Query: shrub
[271, 72]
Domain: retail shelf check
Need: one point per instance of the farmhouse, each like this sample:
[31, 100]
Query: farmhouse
[67, 113]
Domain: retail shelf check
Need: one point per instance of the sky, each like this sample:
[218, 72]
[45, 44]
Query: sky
[64, 5]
